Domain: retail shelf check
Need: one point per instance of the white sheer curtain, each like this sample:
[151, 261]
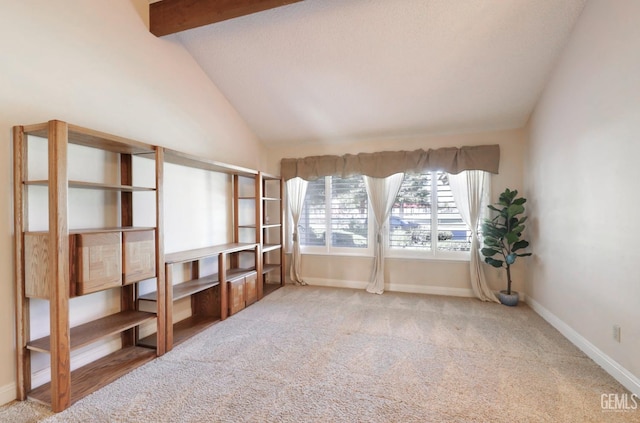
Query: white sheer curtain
[382, 193]
[470, 190]
[296, 191]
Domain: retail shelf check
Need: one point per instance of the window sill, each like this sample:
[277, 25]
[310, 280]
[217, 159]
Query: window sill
[463, 259]
[413, 257]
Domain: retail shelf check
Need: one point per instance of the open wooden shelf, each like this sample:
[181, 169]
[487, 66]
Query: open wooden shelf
[270, 247]
[185, 289]
[200, 253]
[188, 327]
[92, 331]
[99, 373]
[95, 139]
[96, 230]
[94, 185]
[268, 288]
[266, 268]
[183, 159]
[182, 330]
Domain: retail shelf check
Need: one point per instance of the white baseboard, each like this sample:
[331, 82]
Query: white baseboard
[622, 375]
[429, 289]
[394, 287]
[336, 283]
[7, 393]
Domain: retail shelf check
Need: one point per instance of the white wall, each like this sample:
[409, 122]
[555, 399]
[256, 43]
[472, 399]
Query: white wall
[94, 64]
[582, 178]
[410, 275]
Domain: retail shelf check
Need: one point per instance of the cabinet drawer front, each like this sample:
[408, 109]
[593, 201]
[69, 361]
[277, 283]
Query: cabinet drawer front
[251, 288]
[139, 259]
[98, 261]
[236, 295]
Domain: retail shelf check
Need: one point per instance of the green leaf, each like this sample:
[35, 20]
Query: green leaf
[494, 208]
[520, 245]
[488, 252]
[512, 237]
[493, 231]
[493, 262]
[524, 255]
[515, 209]
[491, 242]
[524, 219]
[518, 229]
[520, 201]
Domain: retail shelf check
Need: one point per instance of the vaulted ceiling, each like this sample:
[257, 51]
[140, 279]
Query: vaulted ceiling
[344, 70]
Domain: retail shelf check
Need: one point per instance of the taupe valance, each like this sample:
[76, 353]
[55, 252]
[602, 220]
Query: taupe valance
[386, 163]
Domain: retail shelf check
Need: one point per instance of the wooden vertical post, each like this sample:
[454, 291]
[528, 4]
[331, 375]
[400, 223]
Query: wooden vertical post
[128, 297]
[162, 281]
[222, 277]
[282, 220]
[235, 262]
[23, 361]
[59, 266]
[260, 237]
[260, 211]
[236, 206]
[168, 309]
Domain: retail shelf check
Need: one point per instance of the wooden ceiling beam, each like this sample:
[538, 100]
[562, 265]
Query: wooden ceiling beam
[171, 16]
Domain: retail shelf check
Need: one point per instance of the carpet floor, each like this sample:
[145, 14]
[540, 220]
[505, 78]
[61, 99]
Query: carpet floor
[314, 354]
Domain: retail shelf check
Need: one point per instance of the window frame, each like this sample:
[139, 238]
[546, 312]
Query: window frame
[390, 252]
[419, 254]
[327, 248]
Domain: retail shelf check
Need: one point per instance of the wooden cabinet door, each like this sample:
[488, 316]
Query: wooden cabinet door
[139, 259]
[251, 288]
[236, 295]
[98, 261]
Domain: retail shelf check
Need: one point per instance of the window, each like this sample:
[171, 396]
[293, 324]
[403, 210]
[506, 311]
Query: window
[423, 223]
[335, 209]
[425, 218]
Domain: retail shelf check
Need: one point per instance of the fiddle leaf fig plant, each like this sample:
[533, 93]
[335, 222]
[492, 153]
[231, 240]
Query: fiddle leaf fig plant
[503, 233]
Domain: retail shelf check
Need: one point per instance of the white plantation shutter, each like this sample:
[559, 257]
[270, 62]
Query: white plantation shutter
[335, 214]
[426, 218]
[349, 206]
[312, 223]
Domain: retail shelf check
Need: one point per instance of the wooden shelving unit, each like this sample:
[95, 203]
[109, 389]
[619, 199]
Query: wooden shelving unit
[60, 263]
[209, 293]
[272, 232]
[209, 302]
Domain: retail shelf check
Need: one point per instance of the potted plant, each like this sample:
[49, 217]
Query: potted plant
[503, 238]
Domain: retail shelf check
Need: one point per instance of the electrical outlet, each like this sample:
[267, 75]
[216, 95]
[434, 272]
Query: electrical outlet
[616, 333]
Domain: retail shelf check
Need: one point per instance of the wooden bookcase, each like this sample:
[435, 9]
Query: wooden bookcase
[272, 231]
[209, 302]
[58, 264]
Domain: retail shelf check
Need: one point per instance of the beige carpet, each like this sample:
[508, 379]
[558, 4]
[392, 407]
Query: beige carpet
[310, 354]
